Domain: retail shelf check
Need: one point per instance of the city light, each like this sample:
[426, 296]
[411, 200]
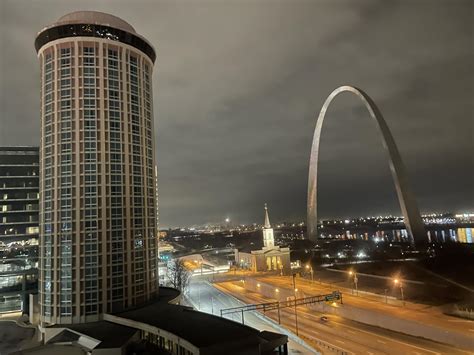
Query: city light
[94, 237]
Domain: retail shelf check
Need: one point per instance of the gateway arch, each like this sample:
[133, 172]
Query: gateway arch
[411, 213]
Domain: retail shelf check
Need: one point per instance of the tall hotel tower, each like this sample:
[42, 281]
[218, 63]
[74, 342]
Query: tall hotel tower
[98, 242]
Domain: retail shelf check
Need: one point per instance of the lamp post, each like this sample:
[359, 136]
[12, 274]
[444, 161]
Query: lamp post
[311, 271]
[199, 299]
[400, 284]
[296, 312]
[356, 280]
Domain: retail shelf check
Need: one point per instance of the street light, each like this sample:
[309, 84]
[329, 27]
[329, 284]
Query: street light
[355, 281]
[296, 313]
[311, 271]
[280, 266]
[399, 282]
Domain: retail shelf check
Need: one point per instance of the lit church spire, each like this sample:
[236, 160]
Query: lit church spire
[267, 220]
[268, 240]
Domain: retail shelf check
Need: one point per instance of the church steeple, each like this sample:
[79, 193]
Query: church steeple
[268, 240]
[267, 220]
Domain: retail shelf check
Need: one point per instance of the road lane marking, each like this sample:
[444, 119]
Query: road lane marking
[339, 341]
[381, 336]
[381, 341]
[352, 332]
[390, 339]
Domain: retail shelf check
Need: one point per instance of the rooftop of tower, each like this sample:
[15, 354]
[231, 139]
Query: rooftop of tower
[74, 25]
[96, 18]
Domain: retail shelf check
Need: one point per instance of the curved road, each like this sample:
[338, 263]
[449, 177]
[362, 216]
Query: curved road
[353, 337]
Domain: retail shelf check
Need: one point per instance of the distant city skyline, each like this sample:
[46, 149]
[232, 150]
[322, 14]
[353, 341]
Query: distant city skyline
[466, 215]
[238, 89]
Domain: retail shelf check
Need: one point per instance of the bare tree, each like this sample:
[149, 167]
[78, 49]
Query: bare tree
[178, 275]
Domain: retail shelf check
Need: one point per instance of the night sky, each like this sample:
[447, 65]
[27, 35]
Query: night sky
[238, 86]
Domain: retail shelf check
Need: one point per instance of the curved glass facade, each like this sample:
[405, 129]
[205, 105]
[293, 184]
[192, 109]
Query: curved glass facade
[98, 31]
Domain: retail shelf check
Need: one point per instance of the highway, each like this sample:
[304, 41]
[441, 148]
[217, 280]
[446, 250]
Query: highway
[351, 336]
[411, 311]
[206, 298]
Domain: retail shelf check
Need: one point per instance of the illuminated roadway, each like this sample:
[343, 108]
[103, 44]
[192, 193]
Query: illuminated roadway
[411, 311]
[206, 298]
[353, 337]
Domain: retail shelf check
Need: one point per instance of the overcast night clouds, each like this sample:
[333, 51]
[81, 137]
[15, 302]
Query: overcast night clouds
[238, 86]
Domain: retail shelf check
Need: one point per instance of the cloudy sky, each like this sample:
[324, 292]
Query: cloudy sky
[238, 86]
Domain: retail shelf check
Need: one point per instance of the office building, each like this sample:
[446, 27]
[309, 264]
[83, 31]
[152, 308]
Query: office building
[98, 249]
[19, 195]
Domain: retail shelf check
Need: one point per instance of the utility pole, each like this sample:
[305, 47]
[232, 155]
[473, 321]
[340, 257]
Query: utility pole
[296, 312]
[355, 281]
[199, 298]
[400, 284]
[401, 291]
[311, 271]
[279, 321]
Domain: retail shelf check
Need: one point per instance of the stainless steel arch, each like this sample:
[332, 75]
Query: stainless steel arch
[411, 213]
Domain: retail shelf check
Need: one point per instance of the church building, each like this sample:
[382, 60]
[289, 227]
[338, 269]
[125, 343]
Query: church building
[269, 258]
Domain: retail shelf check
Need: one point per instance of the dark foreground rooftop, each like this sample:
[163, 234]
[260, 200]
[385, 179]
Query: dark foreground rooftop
[111, 335]
[202, 330]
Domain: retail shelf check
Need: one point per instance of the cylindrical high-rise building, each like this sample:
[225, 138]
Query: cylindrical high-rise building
[98, 242]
